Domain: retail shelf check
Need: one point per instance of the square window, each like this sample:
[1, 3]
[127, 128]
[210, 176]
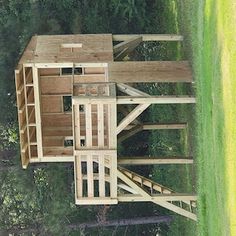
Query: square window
[78, 71]
[66, 71]
[68, 143]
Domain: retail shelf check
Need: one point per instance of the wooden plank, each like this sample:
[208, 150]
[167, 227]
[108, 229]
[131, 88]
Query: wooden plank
[155, 100]
[90, 78]
[58, 131]
[56, 85]
[88, 118]
[148, 37]
[76, 127]
[100, 124]
[131, 116]
[56, 158]
[78, 177]
[153, 160]
[51, 104]
[59, 120]
[112, 119]
[94, 70]
[96, 201]
[95, 151]
[90, 181]
[130, 43]
[113, 174]
[57, 151]
[158, 197]
[101, 172]
[149, 72]
[49, 72]
[159, 126]
[37, 112]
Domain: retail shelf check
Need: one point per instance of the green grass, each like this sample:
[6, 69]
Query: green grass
[206, 40]
[210, 47]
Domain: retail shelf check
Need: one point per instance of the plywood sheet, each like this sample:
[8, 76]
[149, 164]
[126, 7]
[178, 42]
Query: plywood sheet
[56, 85]
[48, 49]
[149, 71]
[52, 104]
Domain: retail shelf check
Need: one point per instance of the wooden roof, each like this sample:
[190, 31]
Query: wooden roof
[69, 48]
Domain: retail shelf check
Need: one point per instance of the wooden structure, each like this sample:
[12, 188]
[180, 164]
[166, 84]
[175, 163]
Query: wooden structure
[67, 109]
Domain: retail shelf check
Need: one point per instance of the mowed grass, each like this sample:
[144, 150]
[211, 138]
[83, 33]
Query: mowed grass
[209, 27]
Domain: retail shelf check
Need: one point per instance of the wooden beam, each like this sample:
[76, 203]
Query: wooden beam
[96, 201]
[148, 37]
[135, 100]
[126, 188]
[37, 112]
[101, 173]
[56, 158]
[157, 126]
[155, 100]
[132, 116]
[153, 160]
[90, 181]
[130, 43]
[157, 197]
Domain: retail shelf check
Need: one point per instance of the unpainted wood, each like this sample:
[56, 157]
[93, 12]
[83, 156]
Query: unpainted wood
[56, 85]
[155, 100]
[51, 104]
[148, 37]
[153, 160]
[149, 71]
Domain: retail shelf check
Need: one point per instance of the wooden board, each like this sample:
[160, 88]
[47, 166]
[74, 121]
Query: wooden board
[49, 49]
[148, 72]
[52, 104]
[56, 85]
[59, 120]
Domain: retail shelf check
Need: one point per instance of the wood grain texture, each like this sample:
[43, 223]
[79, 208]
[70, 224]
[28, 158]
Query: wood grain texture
[149, 72]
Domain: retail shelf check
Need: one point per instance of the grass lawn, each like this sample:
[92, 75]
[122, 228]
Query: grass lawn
[209, 27]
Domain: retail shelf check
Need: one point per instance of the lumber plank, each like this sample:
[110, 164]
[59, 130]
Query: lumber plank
[88, 118]
[90, 180]
[148, 37]
[131, 116]
[153, 160]
[100, 124]
[101, 172]
[155, 100]
[149, 71]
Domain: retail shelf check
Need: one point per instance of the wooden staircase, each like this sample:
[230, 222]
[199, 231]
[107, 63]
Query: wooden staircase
[181, 204]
